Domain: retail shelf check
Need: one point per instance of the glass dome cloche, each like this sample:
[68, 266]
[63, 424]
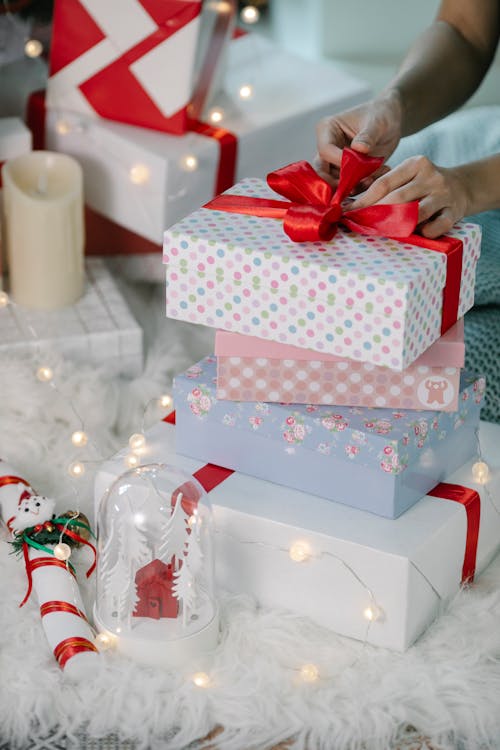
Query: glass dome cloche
[155, 597]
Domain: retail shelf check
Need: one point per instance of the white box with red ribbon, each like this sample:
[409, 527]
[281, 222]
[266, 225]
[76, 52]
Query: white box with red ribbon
[362, 576]
[126, 60]
[144, 181]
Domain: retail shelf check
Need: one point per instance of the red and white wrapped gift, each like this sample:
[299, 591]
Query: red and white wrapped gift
[367, 577]
[253, 369]
[49, 574]
[144, 180]
[126, 60]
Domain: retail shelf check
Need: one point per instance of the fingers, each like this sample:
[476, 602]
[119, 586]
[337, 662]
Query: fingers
[395, 186]
[330, 141]
[441, 224]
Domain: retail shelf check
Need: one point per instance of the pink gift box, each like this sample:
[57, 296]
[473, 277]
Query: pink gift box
[253, 369]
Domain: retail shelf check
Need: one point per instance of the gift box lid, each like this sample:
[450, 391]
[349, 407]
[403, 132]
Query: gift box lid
[447, 351]
[387, 439]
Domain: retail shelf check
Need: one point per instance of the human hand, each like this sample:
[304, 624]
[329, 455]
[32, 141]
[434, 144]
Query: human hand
[442, 193]
[373, 128]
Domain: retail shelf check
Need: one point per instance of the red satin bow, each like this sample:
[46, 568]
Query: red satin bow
[313, 210]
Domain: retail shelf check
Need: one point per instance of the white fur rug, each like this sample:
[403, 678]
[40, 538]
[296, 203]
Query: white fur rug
[446, 688]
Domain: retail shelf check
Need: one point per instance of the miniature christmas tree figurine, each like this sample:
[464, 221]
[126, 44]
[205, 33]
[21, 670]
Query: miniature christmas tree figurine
[45, 541]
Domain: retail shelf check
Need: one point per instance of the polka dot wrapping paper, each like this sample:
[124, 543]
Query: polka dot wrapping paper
[252, 369]
[368, 299]
[375, 459]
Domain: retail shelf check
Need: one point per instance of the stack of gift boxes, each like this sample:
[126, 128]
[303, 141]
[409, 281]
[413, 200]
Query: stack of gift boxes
[338, 380]
[158, 126]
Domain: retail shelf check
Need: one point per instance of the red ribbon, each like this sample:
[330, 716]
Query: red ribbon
[313, 212]
[71, 646]
[47, 608]
[471, 501]
[38, 562]
[80, 540]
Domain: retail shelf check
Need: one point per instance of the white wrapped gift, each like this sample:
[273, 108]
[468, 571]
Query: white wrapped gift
[363, 576]
[99, 329]
[145, 180]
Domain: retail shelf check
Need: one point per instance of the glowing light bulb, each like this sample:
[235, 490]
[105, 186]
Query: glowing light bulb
[372, 613]
[216, 115]
[480, 472]
[4, 299]
[189, 163]
[139, 174]
[79, 438]
[132, 460]
[76, 469]
[33, 48]
[137, 441]
[309, 672]
[62, 551]
[201, 679]
[165, 401]
[191, 521]
[250, 14]
[63, 127]
[246, 91]
[299, 551]
[44, 374]
[104, 641]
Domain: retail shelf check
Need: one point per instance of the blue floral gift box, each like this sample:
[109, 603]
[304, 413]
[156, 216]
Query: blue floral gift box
[378, 460]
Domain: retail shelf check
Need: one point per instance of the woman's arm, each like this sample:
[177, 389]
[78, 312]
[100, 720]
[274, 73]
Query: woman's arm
[447, 62]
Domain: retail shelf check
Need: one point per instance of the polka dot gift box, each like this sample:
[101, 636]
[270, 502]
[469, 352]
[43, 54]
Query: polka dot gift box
[252, 369]
[380, 460]
[366, 298]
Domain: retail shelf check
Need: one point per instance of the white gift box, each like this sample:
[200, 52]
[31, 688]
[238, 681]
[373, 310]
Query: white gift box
[333, 563]
[99, 329]
[126, 60]
[141, 179]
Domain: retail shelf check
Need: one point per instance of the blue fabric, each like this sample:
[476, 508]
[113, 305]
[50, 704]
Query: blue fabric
[465, 136]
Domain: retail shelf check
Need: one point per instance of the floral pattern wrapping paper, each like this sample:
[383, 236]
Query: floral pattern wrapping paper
[369, 299]
[386, 439]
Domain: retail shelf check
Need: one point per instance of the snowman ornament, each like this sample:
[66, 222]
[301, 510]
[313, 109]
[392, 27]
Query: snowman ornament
[45, 541]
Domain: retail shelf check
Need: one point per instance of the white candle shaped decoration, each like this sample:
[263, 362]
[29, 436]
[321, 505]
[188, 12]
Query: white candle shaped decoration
[44, 230]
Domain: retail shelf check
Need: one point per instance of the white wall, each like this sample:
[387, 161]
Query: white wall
[367, 37]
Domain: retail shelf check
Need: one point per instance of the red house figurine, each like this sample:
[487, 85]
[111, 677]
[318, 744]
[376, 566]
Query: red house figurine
[154, 590]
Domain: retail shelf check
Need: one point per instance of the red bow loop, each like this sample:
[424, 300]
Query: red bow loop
[354, 167]
[314, 210]
[300, 184]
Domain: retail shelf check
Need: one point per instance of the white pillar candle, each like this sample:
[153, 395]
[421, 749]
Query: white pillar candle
[43, 209]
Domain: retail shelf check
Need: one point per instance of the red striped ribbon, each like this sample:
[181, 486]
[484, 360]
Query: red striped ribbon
[47, 608]
[39, 562]
[78, 538]
[70, 647]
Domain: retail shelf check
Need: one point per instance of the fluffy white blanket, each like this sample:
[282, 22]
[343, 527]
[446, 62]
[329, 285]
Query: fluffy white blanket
[445, 688]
